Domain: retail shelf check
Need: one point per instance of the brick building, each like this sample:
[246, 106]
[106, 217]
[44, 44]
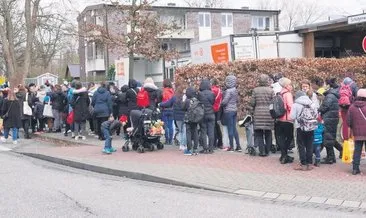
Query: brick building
[196, 24]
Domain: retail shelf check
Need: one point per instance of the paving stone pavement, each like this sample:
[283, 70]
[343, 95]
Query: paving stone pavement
[231, 172]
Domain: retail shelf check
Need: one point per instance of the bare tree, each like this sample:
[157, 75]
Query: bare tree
[205, 3]
[294, 12]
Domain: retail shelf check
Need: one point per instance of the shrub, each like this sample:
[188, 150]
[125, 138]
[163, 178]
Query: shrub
[248, 71]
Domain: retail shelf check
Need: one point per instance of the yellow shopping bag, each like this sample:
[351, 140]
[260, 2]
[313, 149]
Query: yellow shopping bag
[348, 149]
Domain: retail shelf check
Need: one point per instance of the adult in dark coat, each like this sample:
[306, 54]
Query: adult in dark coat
[207, 98]
[59, 103]
[22, 95]
[122, 101]
[131, 95]
[102, 103]
[329, 111]
[80, 105]
[262, 97]
[12, 120]
[154, 93]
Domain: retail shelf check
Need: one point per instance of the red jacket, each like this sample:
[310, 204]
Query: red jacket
[218, 97]
[168, 93]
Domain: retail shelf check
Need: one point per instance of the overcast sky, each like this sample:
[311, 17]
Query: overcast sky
[336, 7]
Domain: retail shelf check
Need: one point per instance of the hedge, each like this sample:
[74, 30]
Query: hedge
[248, 71]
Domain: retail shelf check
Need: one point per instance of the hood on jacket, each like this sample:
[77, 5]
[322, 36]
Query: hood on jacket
[190, 92]
[102, 90]
[303, 100]
[124, 88]
[359, 104]
[132, 84]
[205, 85]
[83, 89]
[230, 81]
[150, 86]
[333, 91]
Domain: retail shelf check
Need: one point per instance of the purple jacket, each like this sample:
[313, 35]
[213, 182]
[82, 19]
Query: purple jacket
[357, 121]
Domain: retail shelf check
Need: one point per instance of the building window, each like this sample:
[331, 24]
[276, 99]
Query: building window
[99, 50]
[261, 23]
[227, 20]
[99, 20]
[179, 21]
[90, 50]
[204, 19]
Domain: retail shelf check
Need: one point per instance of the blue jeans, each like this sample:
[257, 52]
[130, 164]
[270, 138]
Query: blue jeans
[14, 133]
[168, 126]
[316, 148]
[108, 139]
[182, 133]
[230, 118]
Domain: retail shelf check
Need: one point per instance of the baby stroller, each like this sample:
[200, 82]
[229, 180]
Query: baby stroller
[247, 122]
[145, 132]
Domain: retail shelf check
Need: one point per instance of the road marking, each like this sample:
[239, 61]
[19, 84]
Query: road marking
[3, 148]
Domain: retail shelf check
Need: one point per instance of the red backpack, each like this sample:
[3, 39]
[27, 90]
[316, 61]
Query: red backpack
[168, 93]
[142, 98]
[345, 96]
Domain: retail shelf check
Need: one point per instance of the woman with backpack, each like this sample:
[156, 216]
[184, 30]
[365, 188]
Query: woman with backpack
[150, 94]
[262, 97]
[191, 127]
[102, 103]
[356, 120]
[167, 110]
[230, 106]
[285, 126]
[347, 94]
[329, 111]
[304, 114]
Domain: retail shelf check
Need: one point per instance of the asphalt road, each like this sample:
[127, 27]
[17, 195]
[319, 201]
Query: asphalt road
[33, 188]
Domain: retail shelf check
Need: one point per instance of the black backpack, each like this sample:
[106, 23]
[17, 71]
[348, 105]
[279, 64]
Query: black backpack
[196, 111]
[277, 108]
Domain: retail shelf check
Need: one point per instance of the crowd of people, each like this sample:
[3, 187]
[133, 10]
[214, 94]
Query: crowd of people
[309, 112]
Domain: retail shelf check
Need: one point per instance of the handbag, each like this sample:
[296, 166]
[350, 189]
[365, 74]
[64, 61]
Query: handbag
[26, 109]
[70, 118]
[47, 111]
[6, 115]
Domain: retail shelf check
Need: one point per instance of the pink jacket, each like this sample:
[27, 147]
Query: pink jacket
[288, 100]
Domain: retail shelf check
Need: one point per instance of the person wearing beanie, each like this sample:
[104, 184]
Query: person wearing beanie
[284, 125]
[329, 111]
[230, 106]
[356, 120]
[347, 84]
[262, 97]
[304, 133]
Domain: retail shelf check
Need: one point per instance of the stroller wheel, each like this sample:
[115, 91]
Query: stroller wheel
[273, 148]
[140, 150]
[160, 146]
[125, 147]
[135, 146]
[152, 147]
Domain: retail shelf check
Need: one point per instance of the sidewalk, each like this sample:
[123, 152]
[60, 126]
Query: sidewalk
[224, 171]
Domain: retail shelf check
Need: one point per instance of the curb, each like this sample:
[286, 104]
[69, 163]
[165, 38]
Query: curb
[61, 142]
[113, 172]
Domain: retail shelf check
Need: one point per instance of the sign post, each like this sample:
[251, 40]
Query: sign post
[364, 44]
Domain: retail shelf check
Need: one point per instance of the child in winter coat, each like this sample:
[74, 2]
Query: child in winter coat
[191, 128]
[108, 128]
[356, 120]
[318, 140]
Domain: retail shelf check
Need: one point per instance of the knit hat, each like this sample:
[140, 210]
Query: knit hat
[284, 82]
[347, 81]
[361, 93]
[230, 81]
[299, 94]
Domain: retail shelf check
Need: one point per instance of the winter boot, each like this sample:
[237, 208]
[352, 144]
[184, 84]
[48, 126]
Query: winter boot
[356, 170]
